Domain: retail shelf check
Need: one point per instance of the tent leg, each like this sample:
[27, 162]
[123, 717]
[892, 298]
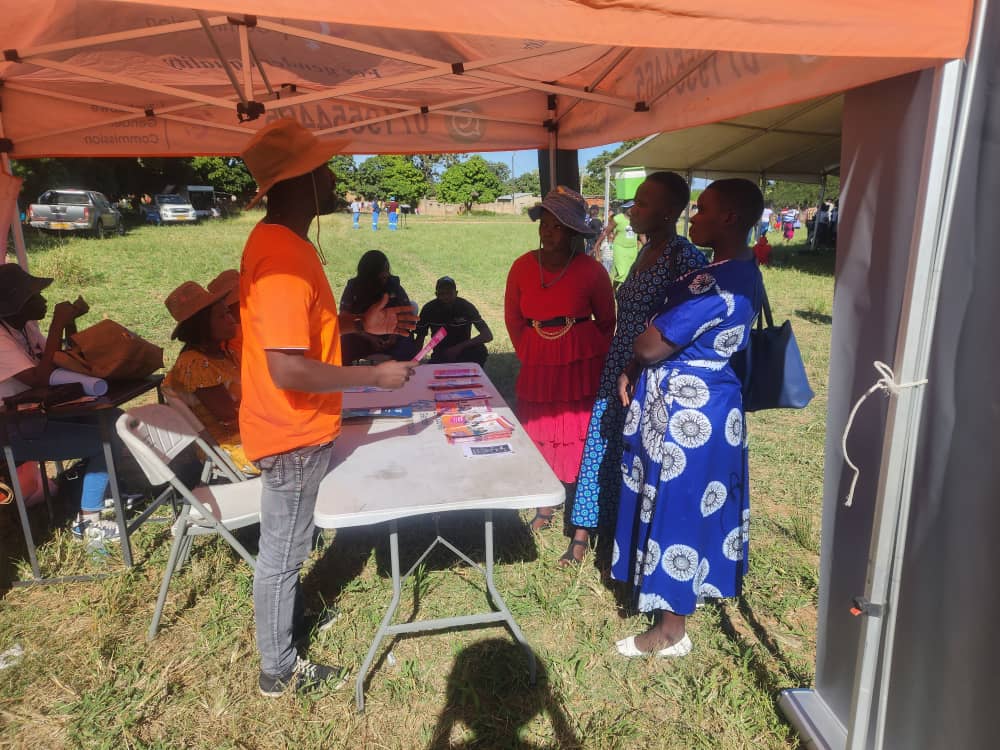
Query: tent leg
[553, 173]
[687, 208]
[822, 197]
[607, 195]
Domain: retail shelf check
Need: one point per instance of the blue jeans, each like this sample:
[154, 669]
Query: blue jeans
[290, 483]
[37, 438]
[357, 217]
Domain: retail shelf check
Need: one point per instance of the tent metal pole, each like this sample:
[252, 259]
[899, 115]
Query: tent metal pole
[247, 66]
[119, 36]
[687, 208]
[553, 145]
[607, 194]
[549, 88]
[132, 83]
[230, 73]
[822, 197]
[15, 224]
[598, 80]
[128, 113]
[916, 328]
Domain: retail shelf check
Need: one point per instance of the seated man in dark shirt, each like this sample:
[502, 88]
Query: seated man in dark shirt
[457, 316]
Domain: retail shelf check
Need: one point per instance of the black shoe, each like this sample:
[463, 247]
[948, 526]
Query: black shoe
[314, 622]
[306, 677]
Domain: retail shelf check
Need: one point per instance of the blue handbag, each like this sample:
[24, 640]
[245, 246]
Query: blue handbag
[771, 367]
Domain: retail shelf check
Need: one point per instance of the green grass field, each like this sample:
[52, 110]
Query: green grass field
[89, 679]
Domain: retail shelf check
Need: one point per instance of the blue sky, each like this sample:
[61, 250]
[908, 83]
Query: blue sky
[526, 161]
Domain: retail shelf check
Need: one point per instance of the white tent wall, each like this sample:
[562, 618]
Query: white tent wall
[884, 125]
[941, 693]
[923, 670]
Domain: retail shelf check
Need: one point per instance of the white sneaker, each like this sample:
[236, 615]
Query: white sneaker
[97, 532]
[128, 500]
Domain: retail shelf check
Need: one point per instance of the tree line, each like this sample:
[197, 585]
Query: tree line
[450, 178]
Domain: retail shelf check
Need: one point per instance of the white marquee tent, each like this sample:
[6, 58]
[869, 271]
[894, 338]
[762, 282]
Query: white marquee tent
[797, 142]
[919, 160]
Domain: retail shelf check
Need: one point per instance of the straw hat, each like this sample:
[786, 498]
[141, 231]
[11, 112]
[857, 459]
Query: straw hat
[282, 150]
[229, 282]
[189, 299]
[17, 286]
[569, 208]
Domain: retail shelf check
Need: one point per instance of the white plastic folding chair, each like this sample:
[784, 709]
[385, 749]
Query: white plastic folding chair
[155, 435]
[218, 459]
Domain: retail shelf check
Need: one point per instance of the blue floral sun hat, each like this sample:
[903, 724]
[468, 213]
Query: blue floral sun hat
[569, 208]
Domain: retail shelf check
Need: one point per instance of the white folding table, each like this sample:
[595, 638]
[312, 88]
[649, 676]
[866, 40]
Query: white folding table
[389, 469]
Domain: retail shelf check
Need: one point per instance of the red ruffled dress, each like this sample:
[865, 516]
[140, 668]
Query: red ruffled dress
[559, 378]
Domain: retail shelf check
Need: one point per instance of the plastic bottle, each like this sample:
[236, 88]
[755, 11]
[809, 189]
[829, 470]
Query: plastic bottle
[95, 543]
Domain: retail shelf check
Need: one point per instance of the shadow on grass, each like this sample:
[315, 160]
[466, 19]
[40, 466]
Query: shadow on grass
[348, 554]
[502, 368]
[489, 697]
[814, 317]
[64, 507]
[769, 681]
[800, 257]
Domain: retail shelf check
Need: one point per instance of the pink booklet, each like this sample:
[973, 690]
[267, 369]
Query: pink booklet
[457, 372]
[436, 339]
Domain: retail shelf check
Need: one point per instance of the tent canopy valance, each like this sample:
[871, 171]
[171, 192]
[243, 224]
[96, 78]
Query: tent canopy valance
[106, 78]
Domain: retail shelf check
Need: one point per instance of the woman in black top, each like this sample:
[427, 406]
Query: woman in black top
[372, 282]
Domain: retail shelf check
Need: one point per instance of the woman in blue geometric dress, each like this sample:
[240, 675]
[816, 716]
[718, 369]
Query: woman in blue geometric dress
[664, 258]
[683, 516]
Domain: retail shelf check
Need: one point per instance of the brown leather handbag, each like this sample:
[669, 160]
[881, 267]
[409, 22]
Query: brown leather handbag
[109, 350]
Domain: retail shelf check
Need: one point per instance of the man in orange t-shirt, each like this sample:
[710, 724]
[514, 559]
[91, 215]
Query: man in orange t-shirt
[292, 378]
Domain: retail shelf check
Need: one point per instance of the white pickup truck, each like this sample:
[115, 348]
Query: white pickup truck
[70, 210]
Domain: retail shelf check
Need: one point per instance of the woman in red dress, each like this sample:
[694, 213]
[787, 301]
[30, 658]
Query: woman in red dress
[560, 314]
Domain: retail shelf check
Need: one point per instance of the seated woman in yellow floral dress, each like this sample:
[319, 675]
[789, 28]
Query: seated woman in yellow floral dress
[206, 375]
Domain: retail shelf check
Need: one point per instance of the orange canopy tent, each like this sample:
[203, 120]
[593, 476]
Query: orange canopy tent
[100, 78]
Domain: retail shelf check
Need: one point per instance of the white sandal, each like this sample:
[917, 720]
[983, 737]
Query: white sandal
[626, 647]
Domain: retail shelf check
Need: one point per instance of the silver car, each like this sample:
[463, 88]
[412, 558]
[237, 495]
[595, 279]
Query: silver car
[170, 209]
[71, 210]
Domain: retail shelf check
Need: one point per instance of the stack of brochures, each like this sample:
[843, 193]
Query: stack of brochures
[475, 427]
[379, 412]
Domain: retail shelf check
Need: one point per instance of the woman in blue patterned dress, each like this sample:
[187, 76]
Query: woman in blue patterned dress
[683, 517]
[664, 258]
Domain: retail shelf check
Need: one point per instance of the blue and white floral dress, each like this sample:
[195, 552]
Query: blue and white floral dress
[599, 479]
[684, 513]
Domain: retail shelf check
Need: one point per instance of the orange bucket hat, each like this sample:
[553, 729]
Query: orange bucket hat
[229, 282]
[282, 150]
[189, 299]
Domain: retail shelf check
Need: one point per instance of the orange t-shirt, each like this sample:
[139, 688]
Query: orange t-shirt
[285, 303]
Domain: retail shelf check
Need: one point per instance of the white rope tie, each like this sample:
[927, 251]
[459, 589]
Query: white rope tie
[888, 385]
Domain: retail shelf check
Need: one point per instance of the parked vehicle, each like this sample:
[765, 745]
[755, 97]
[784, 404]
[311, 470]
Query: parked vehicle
[170, 209]
[72, 210]
[203, 198]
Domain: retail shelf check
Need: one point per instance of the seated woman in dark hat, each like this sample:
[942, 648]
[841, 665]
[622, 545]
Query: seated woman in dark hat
[373, 282]
[26, 362]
